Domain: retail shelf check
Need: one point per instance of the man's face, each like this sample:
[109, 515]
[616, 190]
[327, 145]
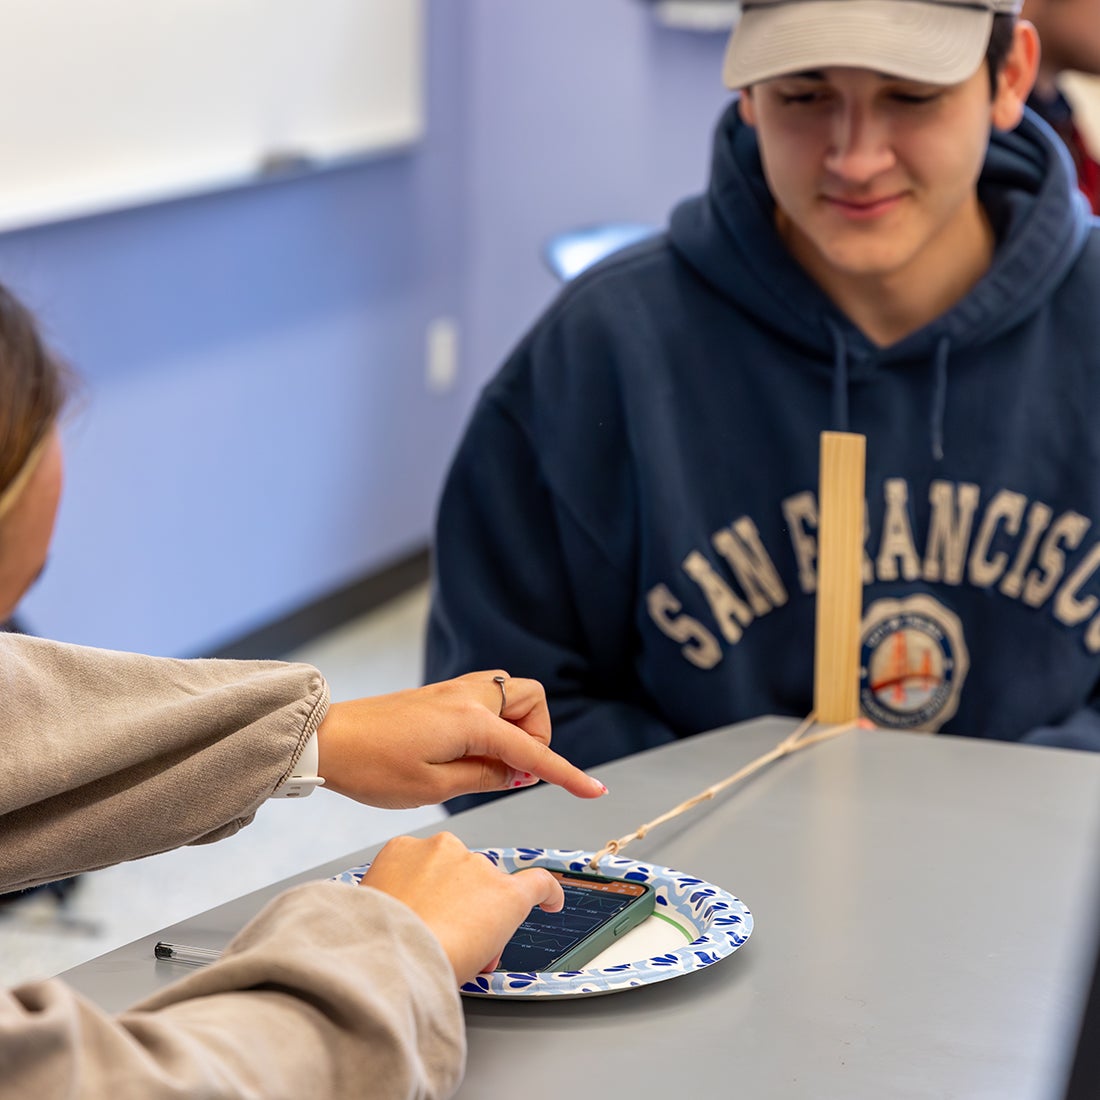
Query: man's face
[26, 530]
[873, 176]
[1069, 32]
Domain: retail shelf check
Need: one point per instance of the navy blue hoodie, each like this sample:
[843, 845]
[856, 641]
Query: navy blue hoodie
[631, 516]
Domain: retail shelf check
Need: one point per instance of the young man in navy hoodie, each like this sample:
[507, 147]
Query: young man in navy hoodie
[889, 245]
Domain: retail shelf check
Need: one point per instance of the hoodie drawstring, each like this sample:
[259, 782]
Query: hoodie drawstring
[939, 397]
[840, 377]
[939, 387]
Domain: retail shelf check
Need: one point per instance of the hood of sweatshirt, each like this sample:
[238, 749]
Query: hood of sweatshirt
[728, 236]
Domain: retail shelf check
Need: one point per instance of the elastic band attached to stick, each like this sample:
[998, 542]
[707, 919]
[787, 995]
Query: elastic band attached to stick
[790, 744]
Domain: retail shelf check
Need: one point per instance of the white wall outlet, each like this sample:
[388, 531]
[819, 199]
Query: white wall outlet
[441, 359]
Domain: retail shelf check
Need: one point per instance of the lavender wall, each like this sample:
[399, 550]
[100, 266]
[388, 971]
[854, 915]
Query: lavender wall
[579, 111]
[255, 428]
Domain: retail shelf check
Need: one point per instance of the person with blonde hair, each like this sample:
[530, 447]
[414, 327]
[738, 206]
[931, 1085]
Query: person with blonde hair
[33, 389]
[332, 989]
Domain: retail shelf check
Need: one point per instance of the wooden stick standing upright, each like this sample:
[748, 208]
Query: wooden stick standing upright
[839, 577]
[839, 612]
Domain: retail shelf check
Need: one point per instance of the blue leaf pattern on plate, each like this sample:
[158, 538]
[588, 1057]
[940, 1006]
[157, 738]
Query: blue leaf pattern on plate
[720, 923]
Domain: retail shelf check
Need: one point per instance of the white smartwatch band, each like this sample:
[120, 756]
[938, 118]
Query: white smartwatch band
[305, 778]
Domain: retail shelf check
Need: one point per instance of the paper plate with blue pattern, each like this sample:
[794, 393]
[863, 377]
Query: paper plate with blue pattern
[694, 925]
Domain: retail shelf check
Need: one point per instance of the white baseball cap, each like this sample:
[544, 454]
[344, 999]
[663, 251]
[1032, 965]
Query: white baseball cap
[933, 41]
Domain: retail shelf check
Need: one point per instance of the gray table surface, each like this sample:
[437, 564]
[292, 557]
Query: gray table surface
[923, 909]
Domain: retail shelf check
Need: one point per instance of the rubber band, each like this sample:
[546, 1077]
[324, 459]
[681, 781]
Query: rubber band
[793, 743]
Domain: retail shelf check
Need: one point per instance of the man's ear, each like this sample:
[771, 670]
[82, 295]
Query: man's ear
[745, 107]
[1017, 77]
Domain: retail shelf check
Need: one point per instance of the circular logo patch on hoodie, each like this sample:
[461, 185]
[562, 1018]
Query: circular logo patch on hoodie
[913, 663]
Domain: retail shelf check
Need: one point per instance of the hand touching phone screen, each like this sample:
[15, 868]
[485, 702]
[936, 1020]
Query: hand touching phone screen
[597, 912]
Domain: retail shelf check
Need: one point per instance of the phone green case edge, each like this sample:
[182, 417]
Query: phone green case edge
[588, 949]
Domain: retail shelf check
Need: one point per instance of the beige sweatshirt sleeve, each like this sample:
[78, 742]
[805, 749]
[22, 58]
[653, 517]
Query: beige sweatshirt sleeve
[110, 756]
[333, 991]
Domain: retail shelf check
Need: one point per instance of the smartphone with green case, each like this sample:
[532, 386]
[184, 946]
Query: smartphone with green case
[597, 912]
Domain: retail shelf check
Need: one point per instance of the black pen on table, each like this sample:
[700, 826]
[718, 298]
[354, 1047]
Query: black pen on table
[181, 952]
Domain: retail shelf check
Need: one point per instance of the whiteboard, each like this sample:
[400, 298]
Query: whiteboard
[111, 103]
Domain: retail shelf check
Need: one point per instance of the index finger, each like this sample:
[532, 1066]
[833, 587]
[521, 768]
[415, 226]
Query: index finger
[526, 754]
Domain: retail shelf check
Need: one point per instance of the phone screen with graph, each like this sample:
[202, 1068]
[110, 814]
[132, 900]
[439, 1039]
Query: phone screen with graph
[597, 912]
